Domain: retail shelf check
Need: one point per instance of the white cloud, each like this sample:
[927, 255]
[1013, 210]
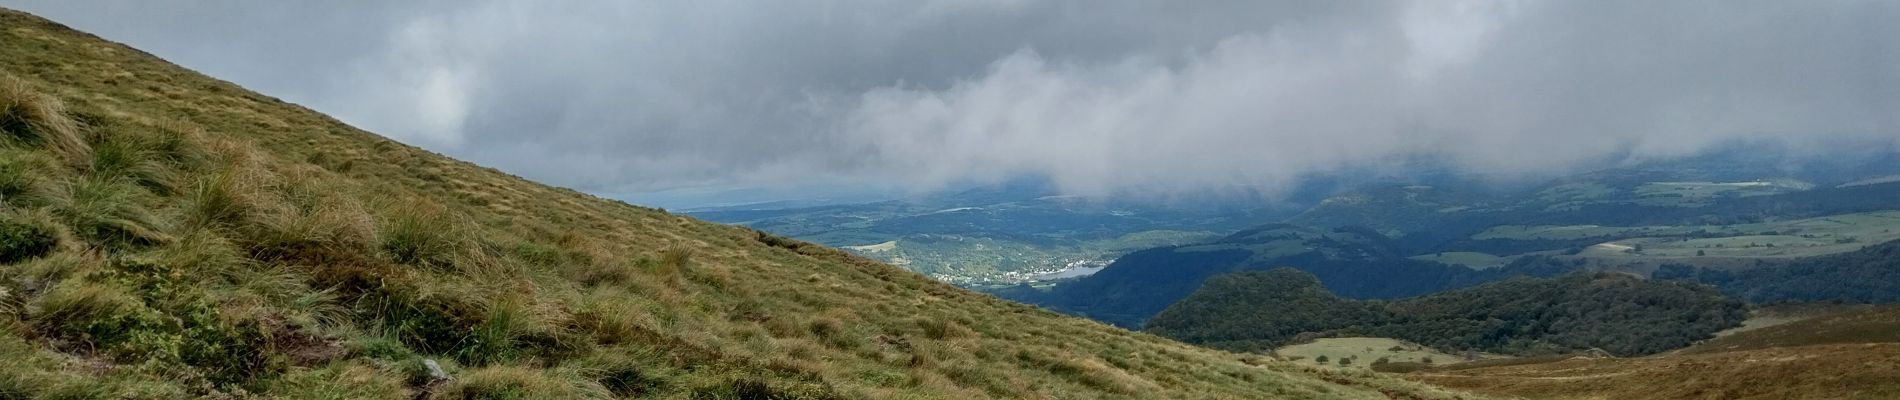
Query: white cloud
[1100, 96]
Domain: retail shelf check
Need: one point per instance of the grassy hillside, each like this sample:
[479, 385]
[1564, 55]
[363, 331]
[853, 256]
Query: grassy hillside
[1849, 371]
[1829, 351]
[169, 235]
[1846, 325]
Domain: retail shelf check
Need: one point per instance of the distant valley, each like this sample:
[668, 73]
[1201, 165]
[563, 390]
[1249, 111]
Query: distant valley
[1021, 232]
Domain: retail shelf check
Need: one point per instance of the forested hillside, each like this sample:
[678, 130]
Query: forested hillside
[1352, 262]
[1620, 314]
[1871, 275]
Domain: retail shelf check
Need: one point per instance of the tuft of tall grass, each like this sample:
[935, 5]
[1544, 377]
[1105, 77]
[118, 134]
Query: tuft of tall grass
[943, 329]
[24, 176]
[628, 372]
[340, 381]
[515, 382]
[313, 228]
[420, 233]
[671, 267]
[508, 327]
[84, 311]
[108, 211]
[29, 374]
[120, 152]
[611, 315]
[222, 200]
[29, 118]
[675, 258]
[741, 386]
[832, 333]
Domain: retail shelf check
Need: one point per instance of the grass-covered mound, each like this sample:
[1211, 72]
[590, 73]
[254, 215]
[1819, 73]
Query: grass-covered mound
[1617, 313]
[168, 235]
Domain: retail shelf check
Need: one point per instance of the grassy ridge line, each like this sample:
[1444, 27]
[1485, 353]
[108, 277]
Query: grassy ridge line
[237, 245]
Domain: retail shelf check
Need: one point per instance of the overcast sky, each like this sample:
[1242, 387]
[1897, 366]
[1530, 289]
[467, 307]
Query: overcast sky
[1100, 96]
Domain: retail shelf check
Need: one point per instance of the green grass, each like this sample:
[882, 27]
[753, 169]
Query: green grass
[208, 241]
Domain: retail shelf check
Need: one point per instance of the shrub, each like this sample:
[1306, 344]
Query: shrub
[30, 118]
[21, 238]
[1400, 367]
[777, 241]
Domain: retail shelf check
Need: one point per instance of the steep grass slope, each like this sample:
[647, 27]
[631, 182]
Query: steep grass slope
[165, 235]
[1850, 352]
[1834, 371]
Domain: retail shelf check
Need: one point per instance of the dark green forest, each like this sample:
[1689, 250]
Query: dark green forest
[1870, 275]
[1620, 314]
[1353, 262]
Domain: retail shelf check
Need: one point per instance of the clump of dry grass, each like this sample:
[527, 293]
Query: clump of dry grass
[346, 380]
[31, 118]
[420, 233]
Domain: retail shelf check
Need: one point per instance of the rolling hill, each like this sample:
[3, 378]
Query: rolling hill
[1843, 355]
[1354, 263]
[169, 235]
[1616, 313]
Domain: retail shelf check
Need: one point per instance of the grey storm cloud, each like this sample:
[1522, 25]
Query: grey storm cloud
[1099, 96]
